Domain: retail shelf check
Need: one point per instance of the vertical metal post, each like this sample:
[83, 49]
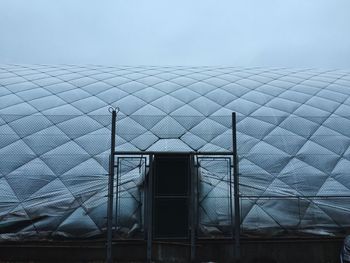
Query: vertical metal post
[150, 210]
[198, 182]
[237, 227]
[193, 207]
[145, 199]
[232, 221]
[118, 166]
[110, 189]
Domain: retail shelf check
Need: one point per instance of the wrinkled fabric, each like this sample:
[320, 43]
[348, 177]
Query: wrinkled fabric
[345, 253]
[293, 136]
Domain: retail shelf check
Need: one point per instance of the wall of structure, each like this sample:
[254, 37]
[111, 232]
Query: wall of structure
[292, 128]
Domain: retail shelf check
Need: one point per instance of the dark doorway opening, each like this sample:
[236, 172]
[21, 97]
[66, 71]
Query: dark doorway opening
[171, 196]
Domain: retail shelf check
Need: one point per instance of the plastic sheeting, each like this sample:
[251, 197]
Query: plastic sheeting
[293, 144]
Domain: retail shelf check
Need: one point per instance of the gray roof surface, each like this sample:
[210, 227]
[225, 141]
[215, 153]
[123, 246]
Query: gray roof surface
[293, 140]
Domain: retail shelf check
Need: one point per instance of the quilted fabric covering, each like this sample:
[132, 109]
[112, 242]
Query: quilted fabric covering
[293, 133]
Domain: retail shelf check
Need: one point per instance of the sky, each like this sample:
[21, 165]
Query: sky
[247, 33]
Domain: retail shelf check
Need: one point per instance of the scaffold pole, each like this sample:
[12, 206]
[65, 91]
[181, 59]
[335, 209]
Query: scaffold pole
[237, 223]
[111, 187]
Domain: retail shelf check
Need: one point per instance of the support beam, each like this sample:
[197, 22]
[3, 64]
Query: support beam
[111, 188]
[193, 207]
[237, 225]
[150, 210]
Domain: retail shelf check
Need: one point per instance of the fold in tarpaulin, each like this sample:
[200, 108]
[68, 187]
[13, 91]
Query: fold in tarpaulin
[293, 133]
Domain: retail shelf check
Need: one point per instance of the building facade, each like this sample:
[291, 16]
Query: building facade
[293, 134]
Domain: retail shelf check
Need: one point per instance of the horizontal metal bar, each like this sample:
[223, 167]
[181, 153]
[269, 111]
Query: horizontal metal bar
[167, 240]
[222, 157]
[171, 196]
[294, 196]
[171, 153]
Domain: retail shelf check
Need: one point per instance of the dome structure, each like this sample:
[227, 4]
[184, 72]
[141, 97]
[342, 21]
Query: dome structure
[293, 132]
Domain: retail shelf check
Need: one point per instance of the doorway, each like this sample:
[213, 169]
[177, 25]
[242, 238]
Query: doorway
[171, 195]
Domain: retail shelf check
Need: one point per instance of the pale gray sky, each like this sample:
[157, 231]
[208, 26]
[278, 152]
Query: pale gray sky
[287, 33]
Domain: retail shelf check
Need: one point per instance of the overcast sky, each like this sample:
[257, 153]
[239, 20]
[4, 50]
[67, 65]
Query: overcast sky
[282, 33]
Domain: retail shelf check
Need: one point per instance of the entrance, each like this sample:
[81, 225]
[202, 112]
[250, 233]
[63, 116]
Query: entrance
[171, 195]
[171, 192]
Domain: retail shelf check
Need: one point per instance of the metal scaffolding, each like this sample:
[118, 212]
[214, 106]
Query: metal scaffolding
[196, 158]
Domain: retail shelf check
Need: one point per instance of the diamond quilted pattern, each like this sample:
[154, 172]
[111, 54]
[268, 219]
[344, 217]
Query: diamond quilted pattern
[293, 140]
